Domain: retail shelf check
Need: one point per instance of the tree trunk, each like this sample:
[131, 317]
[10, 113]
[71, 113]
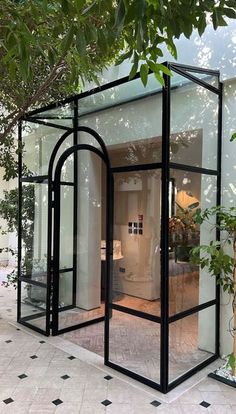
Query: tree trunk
[234, 308]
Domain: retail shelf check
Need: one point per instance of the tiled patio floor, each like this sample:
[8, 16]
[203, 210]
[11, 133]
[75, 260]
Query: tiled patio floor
[39, 375]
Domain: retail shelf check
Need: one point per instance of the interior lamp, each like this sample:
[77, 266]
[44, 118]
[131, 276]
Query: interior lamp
[186, 201]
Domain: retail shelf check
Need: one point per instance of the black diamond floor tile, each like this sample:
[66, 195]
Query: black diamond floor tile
[155, 403]
[8, 401]
[8, 341]
[33, 356]
[65, 377]
[42, 342]
[106, 402]
[205, 404]
[57, 402]
[108, 377]
[18, 329]
[71, 357]
[22, 376]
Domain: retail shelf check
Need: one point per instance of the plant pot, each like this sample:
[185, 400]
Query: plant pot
[182, 253]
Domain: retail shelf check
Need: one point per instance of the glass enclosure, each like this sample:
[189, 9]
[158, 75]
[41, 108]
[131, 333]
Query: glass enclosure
[109, 183]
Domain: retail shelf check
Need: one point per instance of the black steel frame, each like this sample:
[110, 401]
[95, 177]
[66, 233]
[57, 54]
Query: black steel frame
[54, 184]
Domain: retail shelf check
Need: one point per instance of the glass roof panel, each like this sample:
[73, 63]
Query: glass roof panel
[63, 111]
[117, 95]
[210, 79]
[123, 93]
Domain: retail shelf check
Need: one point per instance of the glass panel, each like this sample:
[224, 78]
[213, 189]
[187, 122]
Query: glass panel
[136, 273]
[209, 79]
[131, 131]
[189, 285]
[134, 344]
[67, 172]
[66, 227]
[33, 305]
[58, 113]
[123, 93]
[90, 237]
[65, 289]
[34, 227]
[192, 341]
[178, 79]
[194, 125]
[39, 142]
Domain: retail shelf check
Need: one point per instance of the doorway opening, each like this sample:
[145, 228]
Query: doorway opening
[109, 182]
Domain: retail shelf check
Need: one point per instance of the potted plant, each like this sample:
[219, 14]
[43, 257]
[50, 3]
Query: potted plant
[219, 257]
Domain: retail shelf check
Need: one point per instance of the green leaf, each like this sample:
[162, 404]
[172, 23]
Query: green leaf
[164, 69]
[160, 78]
[120, 17]
[81, 43]
[65, 6]
[231, 361]
[134, 67]
[144, 73]
[230, 13]
[233, 137]
[123, 57]
[218, 19]
[85, 11]
[68, 39]
[171, 47]
[202, 25]
[91, 33]
[51, 57]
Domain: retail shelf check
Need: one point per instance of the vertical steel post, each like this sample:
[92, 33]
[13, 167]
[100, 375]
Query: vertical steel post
[19, 219]
[164, 363]
[109, 258]
[218, 202]
[75, 203]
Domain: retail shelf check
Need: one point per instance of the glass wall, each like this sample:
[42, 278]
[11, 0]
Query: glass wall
[189, 286]
[36, 211]
[193, 172]
[163, 147]
[129, 120]
[137, 228]
[82, 289]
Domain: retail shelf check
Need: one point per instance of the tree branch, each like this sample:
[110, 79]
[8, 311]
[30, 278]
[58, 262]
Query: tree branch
[17, 114]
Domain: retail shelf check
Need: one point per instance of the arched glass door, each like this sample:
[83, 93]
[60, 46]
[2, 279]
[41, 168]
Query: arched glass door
[81, 301]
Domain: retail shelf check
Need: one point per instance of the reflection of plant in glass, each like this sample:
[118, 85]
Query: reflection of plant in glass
[182, 227]
[219, 263]
[9, 212]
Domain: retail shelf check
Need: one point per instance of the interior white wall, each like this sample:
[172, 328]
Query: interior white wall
[138, 195]
[88, 295]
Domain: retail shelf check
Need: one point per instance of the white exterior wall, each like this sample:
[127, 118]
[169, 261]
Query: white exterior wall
[228, 192]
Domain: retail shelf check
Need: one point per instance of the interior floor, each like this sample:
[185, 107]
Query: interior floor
[130, 335]
[135, 342]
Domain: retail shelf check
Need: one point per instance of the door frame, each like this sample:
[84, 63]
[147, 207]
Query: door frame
[102, 154]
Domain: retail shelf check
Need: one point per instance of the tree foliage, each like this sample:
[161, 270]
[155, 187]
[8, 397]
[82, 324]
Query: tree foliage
[48, 49]
[217, 261]
[9, 212]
